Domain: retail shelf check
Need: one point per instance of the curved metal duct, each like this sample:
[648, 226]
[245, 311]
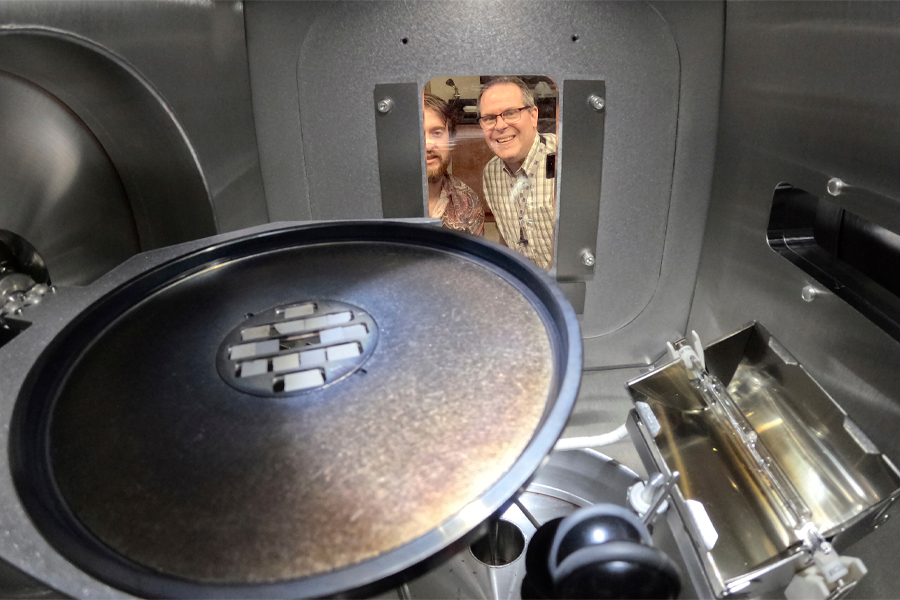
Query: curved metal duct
[95, 167]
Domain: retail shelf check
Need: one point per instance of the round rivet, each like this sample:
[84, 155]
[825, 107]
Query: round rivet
[385, 106]
[809, 293]
[596, 102]
[587, 257]
[835, 186]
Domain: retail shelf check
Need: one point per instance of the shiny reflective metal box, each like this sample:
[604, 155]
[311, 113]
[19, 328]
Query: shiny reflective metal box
[821, 460]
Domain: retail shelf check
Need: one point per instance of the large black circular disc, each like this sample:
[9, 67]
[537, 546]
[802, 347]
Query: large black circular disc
[145, 467]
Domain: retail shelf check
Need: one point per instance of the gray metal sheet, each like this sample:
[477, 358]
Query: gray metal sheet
[153, 159]
[396, 110]
[26, 550]
[808, 87]
[273, 49]
[194, 55]
[628, 45]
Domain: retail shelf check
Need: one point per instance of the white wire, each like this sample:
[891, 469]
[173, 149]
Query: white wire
[593, 441]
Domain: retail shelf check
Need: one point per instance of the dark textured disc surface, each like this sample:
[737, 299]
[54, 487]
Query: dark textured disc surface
[169, 466]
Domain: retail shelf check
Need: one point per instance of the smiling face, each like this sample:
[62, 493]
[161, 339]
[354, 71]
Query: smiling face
[437, 145]
[509, 141]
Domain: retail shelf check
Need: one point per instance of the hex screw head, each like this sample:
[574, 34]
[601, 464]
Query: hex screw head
[587, 257]
[596, 102]
[384, 106]
[835, 186]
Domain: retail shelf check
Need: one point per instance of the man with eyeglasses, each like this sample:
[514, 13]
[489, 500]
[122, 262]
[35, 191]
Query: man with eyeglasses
[449, 199]
[519, 182]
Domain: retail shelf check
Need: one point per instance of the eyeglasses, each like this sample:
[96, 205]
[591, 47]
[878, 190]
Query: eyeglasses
[511, 115]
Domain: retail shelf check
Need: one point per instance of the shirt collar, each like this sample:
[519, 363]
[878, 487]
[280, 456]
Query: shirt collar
[530, 158]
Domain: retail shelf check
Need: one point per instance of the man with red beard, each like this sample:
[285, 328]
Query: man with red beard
[449, 199]
[520, 181]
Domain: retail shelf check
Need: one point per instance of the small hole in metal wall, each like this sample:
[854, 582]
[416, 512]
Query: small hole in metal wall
[575, 38]
[248, 315]
[405, 40]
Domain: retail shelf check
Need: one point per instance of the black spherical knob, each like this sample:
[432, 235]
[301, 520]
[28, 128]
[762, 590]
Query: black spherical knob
[538, 584]
[596, 530]
[604, 551]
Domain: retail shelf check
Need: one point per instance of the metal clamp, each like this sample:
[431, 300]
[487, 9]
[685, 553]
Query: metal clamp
[649, 499]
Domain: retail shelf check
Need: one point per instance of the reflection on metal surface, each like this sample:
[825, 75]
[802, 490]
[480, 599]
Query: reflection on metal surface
[167, 466]
[58, 188]
[804, 99]
[569, 480]
[280, 491]
[119, 139]
[503, 543]
[788, 455]
[193, 55]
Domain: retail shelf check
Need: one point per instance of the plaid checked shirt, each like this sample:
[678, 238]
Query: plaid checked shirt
[524, 202]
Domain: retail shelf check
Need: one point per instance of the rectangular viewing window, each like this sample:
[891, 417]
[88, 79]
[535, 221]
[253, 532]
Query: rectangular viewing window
[490, 158]
[853, 257]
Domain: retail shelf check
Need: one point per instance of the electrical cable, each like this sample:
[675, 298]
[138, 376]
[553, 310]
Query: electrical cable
[593, 441]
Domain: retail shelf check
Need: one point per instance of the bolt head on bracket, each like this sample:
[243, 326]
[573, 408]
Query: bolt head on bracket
[597, 102]
[835, 186]
[809, 293]
[385, 105]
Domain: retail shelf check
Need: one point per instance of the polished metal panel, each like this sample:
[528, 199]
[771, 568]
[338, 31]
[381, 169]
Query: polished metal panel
[810, 89]
[802, 459]
[579, 189]
[193, 57]
[397, 127]
[847, 254]
[58, 188]
[658, 61]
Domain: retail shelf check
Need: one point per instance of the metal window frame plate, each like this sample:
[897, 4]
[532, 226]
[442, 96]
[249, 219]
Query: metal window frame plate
[399, 161]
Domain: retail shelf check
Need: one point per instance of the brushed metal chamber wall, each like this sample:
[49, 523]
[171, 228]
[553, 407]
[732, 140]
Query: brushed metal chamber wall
[661, 64]
[810, 92]
[163, 91]
[59, 189]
